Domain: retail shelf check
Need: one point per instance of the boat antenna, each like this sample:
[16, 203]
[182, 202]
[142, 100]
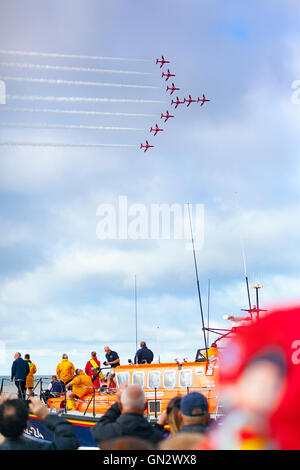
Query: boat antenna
[208, 308]
[135, 303]
[245, 274]
[158, 345]
[198, 285]
[257, 287]
[244, 262]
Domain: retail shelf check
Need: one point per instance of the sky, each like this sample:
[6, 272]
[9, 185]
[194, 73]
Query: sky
[62, 288]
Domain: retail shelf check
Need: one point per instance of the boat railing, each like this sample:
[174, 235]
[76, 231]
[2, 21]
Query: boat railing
[4, 379]
[40, 383]
[153, 395]
[93, 397]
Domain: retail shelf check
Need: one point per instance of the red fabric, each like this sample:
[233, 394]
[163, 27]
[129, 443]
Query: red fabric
[90, 372]
[279, 330]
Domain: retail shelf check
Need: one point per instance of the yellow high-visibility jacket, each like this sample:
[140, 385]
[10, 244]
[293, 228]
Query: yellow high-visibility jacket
[65, 370]
[212, 353]
[32, 371]
[81, 384]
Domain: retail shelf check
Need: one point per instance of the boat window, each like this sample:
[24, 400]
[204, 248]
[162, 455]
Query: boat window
[123, 377]
[186, 378]
[170, 378]
[154, 379]
[138, 378]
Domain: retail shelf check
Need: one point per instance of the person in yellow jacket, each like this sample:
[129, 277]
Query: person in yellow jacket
[81, 385]
[65, 370]
[212, 352]
[30, 379]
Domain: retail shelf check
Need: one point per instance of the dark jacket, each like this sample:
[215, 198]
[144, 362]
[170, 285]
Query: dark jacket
[64, 437]
[113, 425]
[19, 369]
[194, 428]
[56, 387]
[143, 354]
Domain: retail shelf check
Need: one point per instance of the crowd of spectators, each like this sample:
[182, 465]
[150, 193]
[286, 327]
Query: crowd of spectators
[260, 386]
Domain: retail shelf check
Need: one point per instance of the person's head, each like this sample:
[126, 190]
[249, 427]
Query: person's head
[65, 356]
[261, 384]
[78, 371]
[260, 377]
[194, 409]
[13, 418]
[181, 441]
[173, 409]
[93, 354]
[17, 355]
[54, 378]
[133, 400]
[27, 356]
[126, 443]
[107, 349]
[214, 345]
[143, 344]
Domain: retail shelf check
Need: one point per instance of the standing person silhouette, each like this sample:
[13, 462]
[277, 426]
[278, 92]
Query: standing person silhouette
[19, 371]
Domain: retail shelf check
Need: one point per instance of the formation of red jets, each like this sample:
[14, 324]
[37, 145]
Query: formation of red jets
[176, 102]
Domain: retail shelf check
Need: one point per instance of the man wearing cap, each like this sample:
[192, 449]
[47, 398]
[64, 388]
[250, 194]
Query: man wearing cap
[194, 413]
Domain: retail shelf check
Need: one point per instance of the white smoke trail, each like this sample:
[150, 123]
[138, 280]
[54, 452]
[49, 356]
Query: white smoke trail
[73, 111]
[70, 69]
[75, 82]
[58, 126]
[79, 99]
[70, 56]
[56, 144]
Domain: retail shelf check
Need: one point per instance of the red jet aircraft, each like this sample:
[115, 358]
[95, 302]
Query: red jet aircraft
[156, 129]
[146, 146]
[166, 116]
[172, 88]
[202, 100]
[190, 100]
[162, 61]
[177, 102]
[168, 75]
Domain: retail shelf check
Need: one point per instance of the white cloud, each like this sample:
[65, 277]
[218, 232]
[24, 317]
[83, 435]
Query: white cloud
[246, 141]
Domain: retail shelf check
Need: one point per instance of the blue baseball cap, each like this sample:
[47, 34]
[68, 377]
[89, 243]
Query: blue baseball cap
[194, 404]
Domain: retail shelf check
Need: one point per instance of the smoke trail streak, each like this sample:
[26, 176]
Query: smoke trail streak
[73, 111]
[74, 82]
[55, 144]
[79, 99]
[58, 126]
[70, 56]
[70, 69]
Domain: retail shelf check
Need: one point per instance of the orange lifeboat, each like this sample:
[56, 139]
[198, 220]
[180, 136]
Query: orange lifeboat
[161, 382]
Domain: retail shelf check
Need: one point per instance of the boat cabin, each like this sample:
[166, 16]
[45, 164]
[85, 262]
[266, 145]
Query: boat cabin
[161, 382]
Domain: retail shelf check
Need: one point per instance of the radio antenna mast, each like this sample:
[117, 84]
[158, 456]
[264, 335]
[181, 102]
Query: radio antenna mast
[244, 260]
[198, 285]
[135, 303]
[208, 309]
